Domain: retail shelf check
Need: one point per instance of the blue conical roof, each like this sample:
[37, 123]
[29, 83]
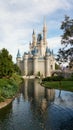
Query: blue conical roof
[33, 32]
[18, 54]
[47, 50]
[35, 50]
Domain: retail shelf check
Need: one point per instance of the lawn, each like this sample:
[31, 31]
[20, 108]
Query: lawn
[64, 85]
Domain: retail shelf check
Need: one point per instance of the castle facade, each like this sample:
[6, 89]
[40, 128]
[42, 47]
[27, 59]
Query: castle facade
[39, 59]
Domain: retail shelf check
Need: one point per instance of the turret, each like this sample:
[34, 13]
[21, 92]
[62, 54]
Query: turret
[18, 58]
[34, 38]
[47, 51]
[52, 63]
[47, 62]
[44, 33]
[30, 46]
[25, 63]
[41, 48]
[52, 53]
[35, 58]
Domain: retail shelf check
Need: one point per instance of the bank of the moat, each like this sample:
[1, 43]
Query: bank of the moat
[8, 89]
[64, 85]
[38, 108]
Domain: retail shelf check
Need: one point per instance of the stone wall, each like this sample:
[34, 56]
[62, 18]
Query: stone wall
[41, 66]
[30, 66]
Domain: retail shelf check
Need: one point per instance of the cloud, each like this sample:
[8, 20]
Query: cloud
[54, 42]
[19, 17]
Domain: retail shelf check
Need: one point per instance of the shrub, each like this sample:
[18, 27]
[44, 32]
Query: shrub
[9, 87]
[53, 78]
[38, 74]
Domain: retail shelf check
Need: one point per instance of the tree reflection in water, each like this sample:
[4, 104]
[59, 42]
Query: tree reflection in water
[38, 108]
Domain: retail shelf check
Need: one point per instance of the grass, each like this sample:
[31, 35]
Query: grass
[9, 87]
[64, 85]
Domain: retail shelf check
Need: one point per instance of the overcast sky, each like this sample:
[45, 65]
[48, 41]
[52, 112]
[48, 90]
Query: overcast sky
[18, 18]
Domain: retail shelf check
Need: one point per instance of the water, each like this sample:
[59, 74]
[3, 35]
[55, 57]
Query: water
[38, 108]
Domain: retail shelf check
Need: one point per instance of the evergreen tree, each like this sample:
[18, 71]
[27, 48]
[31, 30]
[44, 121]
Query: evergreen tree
[6, 64]
[16, 69]
[66, 52]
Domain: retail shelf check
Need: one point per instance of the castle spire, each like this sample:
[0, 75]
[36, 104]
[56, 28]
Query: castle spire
[18, 54]
[33, 32]
[44, 31]
[34, 38]
[18, 58]
[44, 25]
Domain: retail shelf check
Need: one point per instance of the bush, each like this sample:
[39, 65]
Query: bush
[38, 74]
[9, 87]
[53, 78]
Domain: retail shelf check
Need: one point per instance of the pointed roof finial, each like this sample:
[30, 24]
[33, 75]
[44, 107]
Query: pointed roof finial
[18, 54]
[44, 21]
[44, 24]
[52, 52]
[33, 32]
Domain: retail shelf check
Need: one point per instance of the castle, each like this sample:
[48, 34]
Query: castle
[39, 59]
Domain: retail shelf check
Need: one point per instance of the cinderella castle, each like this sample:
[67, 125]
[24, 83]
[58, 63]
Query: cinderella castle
[39, 58]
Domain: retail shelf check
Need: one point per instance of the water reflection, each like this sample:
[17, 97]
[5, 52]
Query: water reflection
[5, 112]
[38, 96]
[47, 102]
[38, 108]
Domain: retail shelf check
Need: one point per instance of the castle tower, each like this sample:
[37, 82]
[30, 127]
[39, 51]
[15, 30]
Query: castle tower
[18, 58]
[47, 63]
[26, 64]
[30, 46]
[39, 57]
[41, 49]
[34, 38]
[44, 33]
[35, 62]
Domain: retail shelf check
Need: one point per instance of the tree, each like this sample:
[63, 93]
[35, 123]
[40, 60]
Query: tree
[16, 69]
[6, 64]
[57, 66]
[66, 52]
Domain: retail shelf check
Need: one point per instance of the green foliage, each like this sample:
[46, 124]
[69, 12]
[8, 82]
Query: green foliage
[9, 81]
[71, 78]
[16, 78]
[67, 27]
[53, 78]
[66, 52]
[6, 64]
[38, 74]
[16, 69]
[64, 85]
[9, 87]
[72, 75]
[7, 67]
[57, 66]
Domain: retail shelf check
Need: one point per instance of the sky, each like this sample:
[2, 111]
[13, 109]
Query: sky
[18, 18]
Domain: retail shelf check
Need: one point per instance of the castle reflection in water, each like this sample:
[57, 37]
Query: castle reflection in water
[40, 97]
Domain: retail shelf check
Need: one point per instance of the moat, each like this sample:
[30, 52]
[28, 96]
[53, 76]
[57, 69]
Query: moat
[38, 108]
